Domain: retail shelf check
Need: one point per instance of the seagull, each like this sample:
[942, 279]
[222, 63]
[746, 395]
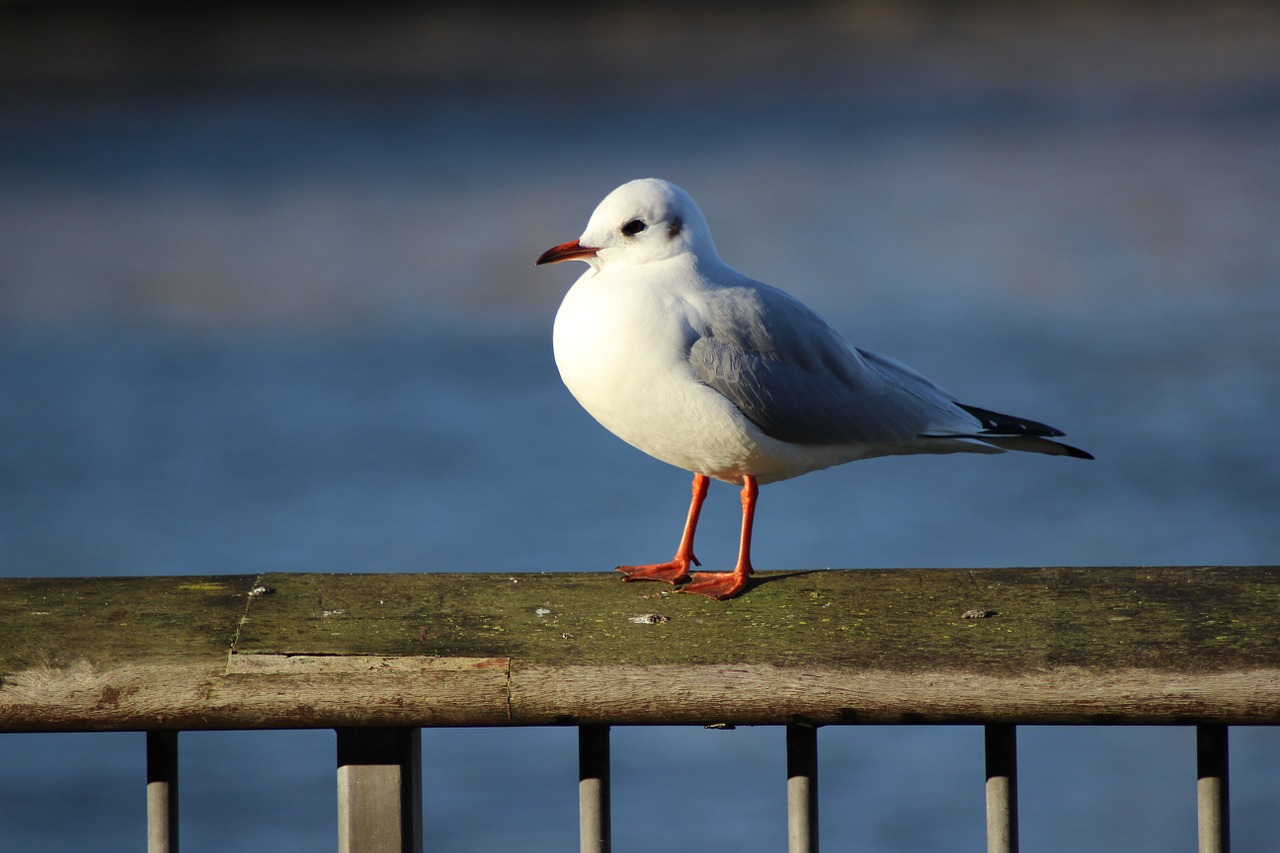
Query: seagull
[683, 357]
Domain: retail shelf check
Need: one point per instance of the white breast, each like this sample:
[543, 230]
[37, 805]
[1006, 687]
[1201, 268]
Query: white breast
[621, 345]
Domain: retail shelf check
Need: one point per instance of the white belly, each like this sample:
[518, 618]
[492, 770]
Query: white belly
[623, 353]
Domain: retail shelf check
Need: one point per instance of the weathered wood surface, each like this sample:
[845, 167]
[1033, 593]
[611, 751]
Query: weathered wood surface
[1130, 645]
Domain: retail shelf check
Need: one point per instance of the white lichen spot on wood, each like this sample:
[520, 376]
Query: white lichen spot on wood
[649, 619]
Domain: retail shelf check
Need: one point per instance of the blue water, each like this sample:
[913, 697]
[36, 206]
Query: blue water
[297, 328]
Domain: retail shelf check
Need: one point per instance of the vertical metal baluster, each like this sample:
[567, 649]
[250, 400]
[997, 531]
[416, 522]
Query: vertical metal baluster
[802, 789]
[1212, 802]
[594, 822]
[380, 790]
[162, 792]
[1002, 788]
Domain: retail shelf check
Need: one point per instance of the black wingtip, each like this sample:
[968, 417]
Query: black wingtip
[1010, 424]
[1022, 433]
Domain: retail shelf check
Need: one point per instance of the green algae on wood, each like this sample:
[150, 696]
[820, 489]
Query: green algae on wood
[887, 619]
[308, 650]
[59, 621]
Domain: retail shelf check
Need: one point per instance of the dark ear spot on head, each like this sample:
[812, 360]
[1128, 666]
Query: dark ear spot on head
[677, 225]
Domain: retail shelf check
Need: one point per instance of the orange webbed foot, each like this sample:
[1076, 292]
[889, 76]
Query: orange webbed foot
[674, 571]
[717, 585]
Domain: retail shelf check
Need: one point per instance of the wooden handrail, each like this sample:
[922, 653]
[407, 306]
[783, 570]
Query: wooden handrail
[994, 646]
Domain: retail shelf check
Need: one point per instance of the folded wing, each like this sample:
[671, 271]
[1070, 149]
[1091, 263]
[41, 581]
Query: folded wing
[798, 380]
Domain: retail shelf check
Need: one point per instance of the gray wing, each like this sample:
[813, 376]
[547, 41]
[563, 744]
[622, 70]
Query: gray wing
[797, 379]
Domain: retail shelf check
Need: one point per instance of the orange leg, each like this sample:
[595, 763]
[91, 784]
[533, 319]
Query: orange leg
[722, 585]
[677, 570]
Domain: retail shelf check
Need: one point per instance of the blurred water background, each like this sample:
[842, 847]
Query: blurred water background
[268, 303]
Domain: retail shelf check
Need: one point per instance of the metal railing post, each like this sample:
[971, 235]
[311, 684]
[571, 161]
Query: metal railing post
[380, 790]
[162, 792]
[1212, 802]
[802, 789]
[594, 822]
[1002, 788]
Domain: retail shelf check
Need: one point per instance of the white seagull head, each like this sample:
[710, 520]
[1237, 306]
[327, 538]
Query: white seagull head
[640, 222]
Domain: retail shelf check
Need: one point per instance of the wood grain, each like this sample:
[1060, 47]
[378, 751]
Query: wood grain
[1036, 645]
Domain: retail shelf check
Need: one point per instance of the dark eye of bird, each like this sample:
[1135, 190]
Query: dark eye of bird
[634, 227]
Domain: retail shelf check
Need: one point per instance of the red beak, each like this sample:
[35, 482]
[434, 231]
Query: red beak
[571, 251]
